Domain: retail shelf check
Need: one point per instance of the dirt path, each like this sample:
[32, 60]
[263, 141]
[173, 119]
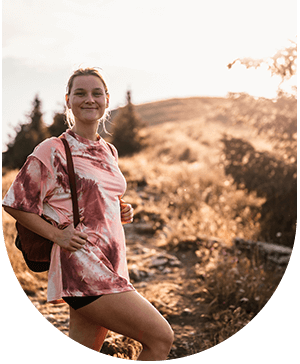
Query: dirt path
[168, 280]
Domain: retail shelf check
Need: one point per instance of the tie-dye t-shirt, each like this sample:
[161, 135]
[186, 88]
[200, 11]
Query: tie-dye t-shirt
[42, 187]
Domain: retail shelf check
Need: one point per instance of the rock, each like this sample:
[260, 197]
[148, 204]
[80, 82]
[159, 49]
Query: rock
[186, 244]
[145, 227]
[137, 274]
[50, 317]
[163, 260]
[134, 274]
[157, 262]
[272, 253]
[143, 195]
[186, 312]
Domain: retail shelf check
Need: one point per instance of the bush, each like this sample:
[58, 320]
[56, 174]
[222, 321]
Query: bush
[270, 177]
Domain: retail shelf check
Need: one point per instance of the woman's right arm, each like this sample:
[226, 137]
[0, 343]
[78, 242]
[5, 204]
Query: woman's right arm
[68, 238]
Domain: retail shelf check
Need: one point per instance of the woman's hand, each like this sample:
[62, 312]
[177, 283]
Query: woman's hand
[68, 238]
[71, 239]
[126, 212]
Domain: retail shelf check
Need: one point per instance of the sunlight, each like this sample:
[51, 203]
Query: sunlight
[160, 49]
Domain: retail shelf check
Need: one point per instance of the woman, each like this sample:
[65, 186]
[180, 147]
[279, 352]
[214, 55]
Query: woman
[88, 267]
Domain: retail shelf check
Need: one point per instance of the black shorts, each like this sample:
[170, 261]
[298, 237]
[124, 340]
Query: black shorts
[78, 302]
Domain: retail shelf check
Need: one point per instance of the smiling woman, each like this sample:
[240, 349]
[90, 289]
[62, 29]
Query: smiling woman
[88, 267]
[87, 100]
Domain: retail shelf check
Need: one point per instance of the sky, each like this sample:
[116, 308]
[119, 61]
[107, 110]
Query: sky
[158, 49]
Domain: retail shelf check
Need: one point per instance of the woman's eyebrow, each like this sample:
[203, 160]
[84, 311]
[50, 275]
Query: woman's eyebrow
[82, 89]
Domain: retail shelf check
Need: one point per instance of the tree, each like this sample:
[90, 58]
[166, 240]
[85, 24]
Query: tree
[282, 64]
[126, 129]
[271, 175]
[28, 136]
[59, 125]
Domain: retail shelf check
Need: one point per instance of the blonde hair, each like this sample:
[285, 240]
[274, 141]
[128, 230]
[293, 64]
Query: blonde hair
[89, 71]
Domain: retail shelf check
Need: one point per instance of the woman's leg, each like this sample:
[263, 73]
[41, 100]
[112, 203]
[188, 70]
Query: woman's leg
[85, 331]
[131, 315]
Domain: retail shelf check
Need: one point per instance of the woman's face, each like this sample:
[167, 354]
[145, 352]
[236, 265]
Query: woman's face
[87, 99]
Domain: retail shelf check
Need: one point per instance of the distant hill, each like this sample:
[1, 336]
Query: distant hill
[176, 109]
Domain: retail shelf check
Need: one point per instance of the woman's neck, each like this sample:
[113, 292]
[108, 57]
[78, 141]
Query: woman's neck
[86, 132]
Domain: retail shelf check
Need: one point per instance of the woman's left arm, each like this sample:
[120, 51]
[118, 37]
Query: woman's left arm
[126, 212]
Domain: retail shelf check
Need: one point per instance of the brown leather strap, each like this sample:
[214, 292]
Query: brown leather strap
[72, 181]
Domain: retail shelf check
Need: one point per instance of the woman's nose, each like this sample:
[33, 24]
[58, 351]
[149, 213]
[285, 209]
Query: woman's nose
[89, 99]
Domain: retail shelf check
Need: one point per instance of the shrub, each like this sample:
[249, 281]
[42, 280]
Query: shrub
[270, 177]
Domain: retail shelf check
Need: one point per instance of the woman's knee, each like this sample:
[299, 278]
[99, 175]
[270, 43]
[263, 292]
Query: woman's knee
[160, 343]
[168, 335]
[163, 337]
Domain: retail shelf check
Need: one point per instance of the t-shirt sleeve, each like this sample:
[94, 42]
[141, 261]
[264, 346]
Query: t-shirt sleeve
[32, 187]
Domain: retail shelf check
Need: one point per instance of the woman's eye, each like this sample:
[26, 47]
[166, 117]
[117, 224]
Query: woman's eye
[82, 94]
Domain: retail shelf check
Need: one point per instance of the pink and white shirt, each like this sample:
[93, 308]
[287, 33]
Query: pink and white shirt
[42, 187]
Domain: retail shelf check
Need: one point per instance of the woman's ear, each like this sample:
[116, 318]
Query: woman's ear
[107, 100]
[67, 101]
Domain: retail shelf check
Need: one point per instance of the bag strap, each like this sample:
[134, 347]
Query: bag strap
[72, 181]
[112, 151]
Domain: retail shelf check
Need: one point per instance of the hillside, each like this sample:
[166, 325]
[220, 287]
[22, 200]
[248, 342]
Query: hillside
[177, 109]
[180, 247]
[183, 109]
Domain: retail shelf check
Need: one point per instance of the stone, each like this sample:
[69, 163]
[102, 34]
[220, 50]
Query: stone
[156, 262]
[273, 253]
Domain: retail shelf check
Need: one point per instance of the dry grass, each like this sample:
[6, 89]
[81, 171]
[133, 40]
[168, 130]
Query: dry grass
[186, 182]
[236, 289]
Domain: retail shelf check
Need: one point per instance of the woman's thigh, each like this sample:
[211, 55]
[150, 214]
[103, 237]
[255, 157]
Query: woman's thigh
[129, 314]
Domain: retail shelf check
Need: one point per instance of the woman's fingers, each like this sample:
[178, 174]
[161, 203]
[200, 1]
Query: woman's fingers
[72, 239]
[127, 208]
[126, 213]
[79, 239]
[81, 235]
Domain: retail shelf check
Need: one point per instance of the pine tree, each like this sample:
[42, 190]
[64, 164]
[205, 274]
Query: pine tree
[126, 129]
[29, 135]
[59, 125]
